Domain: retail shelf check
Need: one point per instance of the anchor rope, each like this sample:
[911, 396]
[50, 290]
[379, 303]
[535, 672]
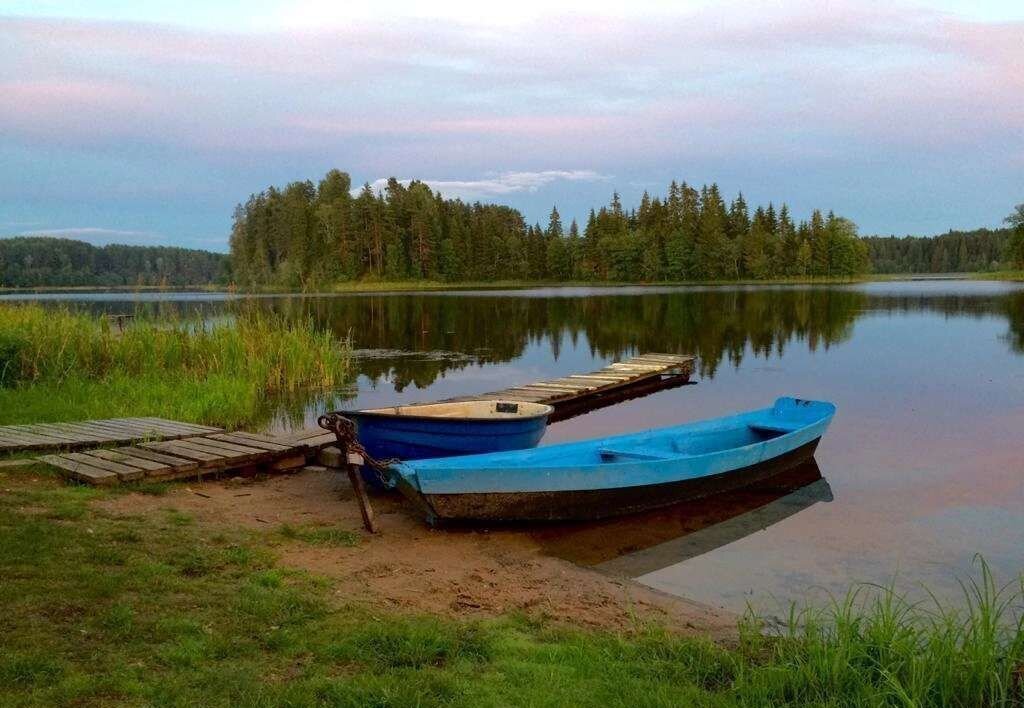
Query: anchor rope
[345, 431]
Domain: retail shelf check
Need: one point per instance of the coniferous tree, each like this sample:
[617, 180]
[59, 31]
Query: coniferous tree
[1015, 250]
[303, 235]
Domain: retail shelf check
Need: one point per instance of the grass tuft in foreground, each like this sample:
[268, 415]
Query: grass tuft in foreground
[158, 608]
[64, 365]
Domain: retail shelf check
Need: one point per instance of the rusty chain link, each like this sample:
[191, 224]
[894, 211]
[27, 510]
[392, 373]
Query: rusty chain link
[345, 431]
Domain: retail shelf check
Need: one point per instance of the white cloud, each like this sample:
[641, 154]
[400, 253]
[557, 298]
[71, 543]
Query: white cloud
[499, 184]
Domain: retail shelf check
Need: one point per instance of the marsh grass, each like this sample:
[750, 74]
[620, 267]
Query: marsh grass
[877, 646]
[158, 608]
[64, 365]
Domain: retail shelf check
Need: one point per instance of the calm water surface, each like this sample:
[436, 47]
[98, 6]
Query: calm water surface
[922, 468]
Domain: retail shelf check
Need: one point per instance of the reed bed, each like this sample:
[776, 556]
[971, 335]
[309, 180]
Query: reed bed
[219, 372]
[878, 647]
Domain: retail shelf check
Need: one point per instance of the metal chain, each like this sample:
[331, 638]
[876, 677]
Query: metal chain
[345, 430]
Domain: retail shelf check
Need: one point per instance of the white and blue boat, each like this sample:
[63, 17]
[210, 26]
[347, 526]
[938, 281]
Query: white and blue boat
[620, 474]
[426, 430]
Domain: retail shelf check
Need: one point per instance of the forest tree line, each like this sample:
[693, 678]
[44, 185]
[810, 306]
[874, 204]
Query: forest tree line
[978, 251]
[306, 234]
[39, 261]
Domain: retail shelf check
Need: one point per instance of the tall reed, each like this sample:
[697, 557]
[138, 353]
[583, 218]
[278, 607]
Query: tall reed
[39, 345]
[57, 364]
[876, 646]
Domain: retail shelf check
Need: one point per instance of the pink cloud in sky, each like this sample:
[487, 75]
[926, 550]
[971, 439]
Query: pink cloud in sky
[804, 78]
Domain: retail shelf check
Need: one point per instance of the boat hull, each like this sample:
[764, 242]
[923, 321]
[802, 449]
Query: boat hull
[619, 474]
[588, 504]
[407, 436]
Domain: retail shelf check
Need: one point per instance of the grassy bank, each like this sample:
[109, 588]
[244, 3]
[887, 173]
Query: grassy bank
[158, 609]
[376, 286]
[62, 365]
[1000, 275]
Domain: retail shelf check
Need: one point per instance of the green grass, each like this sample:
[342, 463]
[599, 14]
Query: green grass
[159, 609]
[1000, 275]
[319, 535]
[61, 365]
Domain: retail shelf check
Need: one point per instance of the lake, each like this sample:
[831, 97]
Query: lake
[922, 468]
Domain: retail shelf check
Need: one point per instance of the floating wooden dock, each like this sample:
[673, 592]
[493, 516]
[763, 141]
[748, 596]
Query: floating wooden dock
[580, 393]
[192, 457]
[73, 436]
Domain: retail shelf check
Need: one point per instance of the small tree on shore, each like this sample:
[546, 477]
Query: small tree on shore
[1016, 245]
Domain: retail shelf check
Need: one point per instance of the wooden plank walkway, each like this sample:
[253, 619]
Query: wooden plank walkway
[160, 449]
[72, 436]
[579, 393]
[195, 456]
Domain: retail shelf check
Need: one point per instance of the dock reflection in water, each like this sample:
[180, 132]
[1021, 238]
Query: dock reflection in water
[642, 543]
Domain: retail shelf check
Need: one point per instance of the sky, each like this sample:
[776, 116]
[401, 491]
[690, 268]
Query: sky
[146, 122]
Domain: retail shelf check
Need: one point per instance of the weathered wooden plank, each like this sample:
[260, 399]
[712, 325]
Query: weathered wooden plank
[135, 431]
[81, 471]
[77, 434]
[226, 447]
[634, 367]
[97, 432]
[38, 432]
[32, 431]
[538, 394]
[187, 444]
[575, 383]
[566, 383]
[140, 462]
[251, 442]
[681, 358]
[599, 377]
[181, 425]
[126, 473]
[657, 360]
[231, 458]
[276, 440]
[559, 387]
[138, 430]
[314, 441]
[121, 429]
[19, 438]
[179, 449]
[172, 461]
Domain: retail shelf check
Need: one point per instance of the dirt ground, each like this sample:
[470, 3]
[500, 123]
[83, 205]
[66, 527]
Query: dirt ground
[409, 566]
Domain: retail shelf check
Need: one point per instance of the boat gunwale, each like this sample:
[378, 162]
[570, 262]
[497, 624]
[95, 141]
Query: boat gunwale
[457, 463]
[380, 413]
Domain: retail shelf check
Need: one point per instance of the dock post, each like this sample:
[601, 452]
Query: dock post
[354, 466]
[334, 459]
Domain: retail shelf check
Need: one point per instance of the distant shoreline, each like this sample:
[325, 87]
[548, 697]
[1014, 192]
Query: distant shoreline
[429, 285]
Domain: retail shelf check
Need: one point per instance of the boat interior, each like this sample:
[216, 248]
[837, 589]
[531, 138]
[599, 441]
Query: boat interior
[696, 442]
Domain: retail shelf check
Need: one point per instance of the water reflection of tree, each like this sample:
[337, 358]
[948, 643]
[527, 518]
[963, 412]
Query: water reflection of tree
[1015, 314]
[715, 325]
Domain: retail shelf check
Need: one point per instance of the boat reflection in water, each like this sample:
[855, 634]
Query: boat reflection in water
[642, 543]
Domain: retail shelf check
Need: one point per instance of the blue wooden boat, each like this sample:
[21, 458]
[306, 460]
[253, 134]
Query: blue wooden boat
[619, 474]
[428, 430]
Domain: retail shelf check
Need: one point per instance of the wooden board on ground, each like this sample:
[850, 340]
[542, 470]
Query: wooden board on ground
[193, 456]
[89, 433]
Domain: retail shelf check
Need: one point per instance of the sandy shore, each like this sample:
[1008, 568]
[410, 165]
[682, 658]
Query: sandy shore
[409, 566]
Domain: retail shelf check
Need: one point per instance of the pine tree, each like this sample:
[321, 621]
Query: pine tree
[1015, 249]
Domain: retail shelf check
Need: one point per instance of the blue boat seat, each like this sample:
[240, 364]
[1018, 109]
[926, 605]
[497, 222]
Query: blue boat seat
[609, 454]
[778, 428]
